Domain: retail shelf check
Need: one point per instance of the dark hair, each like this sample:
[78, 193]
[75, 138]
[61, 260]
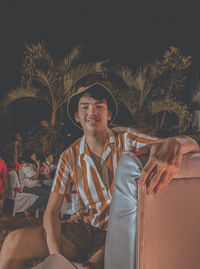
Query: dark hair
[42, 157]
[98, 95]
[26, 156]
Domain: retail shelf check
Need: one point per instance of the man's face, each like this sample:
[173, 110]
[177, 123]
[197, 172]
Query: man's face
[93, 114]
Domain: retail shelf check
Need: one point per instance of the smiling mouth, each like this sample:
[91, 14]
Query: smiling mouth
[92, 121]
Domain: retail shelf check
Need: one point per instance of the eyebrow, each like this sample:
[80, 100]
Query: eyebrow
[98, 102]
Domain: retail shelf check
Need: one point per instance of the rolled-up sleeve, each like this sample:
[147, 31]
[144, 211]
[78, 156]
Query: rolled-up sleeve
[134, 139]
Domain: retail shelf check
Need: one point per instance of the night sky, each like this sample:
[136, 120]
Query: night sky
[126, 32]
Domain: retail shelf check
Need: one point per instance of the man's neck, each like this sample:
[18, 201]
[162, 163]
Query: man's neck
[97, 142]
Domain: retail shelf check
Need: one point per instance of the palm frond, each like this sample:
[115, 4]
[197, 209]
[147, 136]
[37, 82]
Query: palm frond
[169, 104]
[37, 57]
[23, 92]
[128, 98]
[51, 81]
[37, 51]
[139, 84]
[42, 78]
[69, 59]
[144, 82]
[81, 70]
[126, 75]
[18, 93]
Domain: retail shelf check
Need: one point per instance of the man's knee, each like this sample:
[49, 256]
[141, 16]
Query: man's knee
[23, 244]
[9, 255]
[128, 170]
[12, 241]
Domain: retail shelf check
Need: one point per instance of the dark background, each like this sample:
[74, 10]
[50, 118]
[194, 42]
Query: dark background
[126, 32]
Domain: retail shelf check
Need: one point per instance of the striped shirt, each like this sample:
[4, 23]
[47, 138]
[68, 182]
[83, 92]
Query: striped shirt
[77, 167]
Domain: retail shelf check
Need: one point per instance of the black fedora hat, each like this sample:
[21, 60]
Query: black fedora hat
[101, 92]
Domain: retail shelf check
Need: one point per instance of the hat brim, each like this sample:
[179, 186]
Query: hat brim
[72, 105]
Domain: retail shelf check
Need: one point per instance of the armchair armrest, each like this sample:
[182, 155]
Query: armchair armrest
[154, 231]
[169, 222]
[190, 166]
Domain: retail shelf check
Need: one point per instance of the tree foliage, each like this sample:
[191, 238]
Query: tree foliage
[53, 81]
[152, 89]
[172, 70]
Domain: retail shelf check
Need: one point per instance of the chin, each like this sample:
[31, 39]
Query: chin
[92, 129]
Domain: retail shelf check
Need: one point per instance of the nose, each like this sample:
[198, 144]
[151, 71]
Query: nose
[92, 110]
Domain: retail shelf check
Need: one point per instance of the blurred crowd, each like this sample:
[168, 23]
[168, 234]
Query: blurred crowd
[27, 176]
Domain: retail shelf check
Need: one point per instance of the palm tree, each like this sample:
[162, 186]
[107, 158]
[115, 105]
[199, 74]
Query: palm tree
[170, 104]
[172, 69]
[141, 97]
[139, 85]
[44, 78]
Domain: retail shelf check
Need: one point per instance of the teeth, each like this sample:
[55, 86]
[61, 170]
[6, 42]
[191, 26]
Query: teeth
[92, 120]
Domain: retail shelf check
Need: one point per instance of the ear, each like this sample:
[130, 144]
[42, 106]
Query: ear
[109, 115]
[76, 117]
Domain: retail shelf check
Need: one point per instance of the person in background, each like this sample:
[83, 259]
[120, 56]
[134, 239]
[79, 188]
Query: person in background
[29, 181]
[3, 179]
[47, 171]
[12, 162]
[13, 185]
[13, 166]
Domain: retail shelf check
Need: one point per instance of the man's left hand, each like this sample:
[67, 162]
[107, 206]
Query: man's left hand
[163, 163]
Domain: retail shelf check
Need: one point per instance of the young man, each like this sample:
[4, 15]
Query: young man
[89, 165]
[47, 171]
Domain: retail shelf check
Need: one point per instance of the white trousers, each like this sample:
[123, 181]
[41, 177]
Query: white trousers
[121, 238]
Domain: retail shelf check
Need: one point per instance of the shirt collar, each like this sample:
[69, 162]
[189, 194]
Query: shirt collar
[111, 136]
[109, 140]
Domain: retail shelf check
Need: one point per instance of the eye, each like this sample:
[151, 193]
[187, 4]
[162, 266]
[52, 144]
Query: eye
[84, 107]
[99, 106]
